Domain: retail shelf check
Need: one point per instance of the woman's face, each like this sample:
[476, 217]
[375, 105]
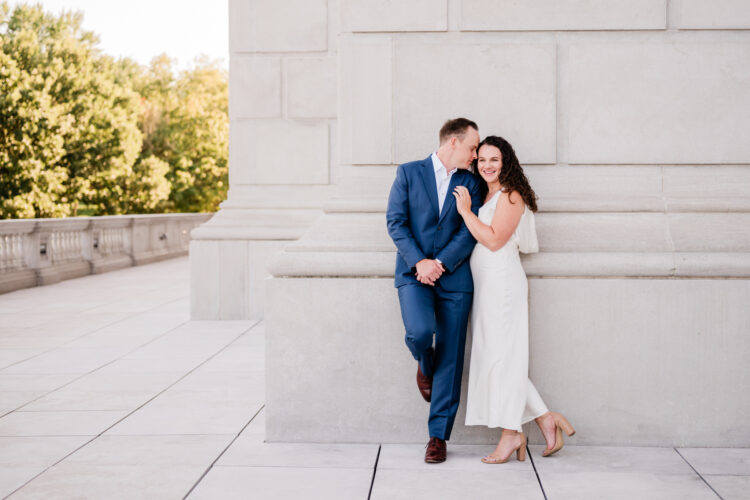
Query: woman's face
[489, 162]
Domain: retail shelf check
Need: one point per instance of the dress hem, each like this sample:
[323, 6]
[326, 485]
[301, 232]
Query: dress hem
[495, 426]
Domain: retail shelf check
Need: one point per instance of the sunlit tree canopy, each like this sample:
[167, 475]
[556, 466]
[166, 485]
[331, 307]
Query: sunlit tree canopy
[84, 134]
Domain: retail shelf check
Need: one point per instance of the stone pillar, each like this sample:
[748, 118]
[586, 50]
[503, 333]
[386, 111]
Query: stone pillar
[282, 107]
[629, 118]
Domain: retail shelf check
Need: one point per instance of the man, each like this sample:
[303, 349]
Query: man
[433, 277]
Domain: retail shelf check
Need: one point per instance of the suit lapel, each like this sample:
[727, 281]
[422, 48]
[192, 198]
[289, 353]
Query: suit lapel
[450, 201]
[428, 177]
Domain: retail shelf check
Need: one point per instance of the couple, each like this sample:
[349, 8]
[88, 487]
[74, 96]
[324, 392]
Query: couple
[442, 245]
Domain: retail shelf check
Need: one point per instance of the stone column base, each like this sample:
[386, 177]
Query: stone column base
[645, 362]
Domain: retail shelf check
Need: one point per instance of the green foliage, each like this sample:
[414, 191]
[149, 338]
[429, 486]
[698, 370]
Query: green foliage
[79, 130]
[185, 123]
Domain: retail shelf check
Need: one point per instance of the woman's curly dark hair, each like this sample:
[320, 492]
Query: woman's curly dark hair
[512, 177]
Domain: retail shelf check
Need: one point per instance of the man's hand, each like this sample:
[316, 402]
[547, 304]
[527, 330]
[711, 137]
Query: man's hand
[428, 271]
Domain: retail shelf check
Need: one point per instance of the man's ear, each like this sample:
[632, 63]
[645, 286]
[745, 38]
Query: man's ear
[454, 139]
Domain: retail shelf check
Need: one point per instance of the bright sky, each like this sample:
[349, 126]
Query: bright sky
[142, 29]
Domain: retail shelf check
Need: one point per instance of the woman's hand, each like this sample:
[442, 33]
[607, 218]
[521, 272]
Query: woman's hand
[463, 200]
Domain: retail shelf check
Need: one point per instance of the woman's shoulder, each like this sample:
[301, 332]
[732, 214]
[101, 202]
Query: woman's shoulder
[513, 198]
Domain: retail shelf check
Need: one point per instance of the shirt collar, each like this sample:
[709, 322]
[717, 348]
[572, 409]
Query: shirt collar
[437, 165]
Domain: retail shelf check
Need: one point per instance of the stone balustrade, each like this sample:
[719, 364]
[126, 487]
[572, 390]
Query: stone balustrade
[43, 251]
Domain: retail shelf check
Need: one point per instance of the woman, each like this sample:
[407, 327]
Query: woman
[500, 392]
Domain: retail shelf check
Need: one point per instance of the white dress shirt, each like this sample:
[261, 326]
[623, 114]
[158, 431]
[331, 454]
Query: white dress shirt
[442, 180]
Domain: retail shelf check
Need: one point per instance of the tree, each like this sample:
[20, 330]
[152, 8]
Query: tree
[185, 123]
[69, 124]
[79, 129]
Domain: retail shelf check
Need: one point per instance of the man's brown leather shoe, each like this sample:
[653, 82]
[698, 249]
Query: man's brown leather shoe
[424, 384]
[436, 451]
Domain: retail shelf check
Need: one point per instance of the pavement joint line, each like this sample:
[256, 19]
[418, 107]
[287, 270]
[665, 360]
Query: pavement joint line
[136, 409]
[698, 473]
[205, 472]
[91, 333]
[536, 472]
[374, 471]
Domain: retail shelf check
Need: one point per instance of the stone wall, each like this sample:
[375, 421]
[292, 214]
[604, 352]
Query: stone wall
[630, 119]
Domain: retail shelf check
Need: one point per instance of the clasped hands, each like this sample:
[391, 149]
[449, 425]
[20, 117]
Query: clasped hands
[428, 271]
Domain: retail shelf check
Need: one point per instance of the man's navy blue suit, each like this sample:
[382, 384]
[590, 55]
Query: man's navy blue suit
[420, 232]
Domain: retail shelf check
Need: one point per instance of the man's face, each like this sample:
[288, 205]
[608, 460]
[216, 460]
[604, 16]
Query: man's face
[465, 151]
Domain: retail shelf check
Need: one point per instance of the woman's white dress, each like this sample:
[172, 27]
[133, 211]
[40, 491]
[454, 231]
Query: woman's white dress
[500, 393]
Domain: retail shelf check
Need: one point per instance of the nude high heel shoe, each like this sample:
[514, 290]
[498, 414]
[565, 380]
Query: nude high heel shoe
[561, 424]
[520, 454]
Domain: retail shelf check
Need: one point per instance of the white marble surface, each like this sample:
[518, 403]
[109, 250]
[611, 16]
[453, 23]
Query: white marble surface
[494, 15]
[200, 430]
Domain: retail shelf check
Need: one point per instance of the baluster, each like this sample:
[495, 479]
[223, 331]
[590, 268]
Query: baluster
[78, 246]
[66, 245]
[51, 250]
[17, 251]
[3, 251]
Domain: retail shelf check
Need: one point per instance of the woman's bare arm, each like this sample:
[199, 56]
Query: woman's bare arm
[504, 222]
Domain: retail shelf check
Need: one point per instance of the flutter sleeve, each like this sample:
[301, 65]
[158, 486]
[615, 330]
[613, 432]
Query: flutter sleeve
[525, 234]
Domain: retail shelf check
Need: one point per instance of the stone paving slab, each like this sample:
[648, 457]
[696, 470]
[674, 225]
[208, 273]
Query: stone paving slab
[624, 486]
[58, 423]
[445, 483]
[729, 461]
[459, 458]
[22, 458]
[324, 455]
[111, 482]
[632, 459]
[277, 483]
[163, 451]
[78, 356]
[730, 487]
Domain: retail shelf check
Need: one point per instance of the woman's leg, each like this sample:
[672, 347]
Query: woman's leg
[537, 410]
[510, 441]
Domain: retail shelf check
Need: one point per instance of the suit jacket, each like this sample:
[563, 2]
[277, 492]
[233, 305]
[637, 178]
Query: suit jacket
[419, 232]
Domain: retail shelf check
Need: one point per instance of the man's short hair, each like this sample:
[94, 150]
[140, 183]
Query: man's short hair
[457, 127]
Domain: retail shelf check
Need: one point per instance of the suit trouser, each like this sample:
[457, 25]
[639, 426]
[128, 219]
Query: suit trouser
[428, 310]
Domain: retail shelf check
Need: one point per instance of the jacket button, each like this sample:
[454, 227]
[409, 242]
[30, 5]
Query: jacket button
[439, 228]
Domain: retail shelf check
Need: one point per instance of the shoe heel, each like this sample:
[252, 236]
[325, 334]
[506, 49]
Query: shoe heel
[564, 424]
[521, 452]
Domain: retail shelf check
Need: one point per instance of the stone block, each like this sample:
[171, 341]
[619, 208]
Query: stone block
[280, 26]
[707, 188]
[278, 152]
[366, 116]
[647, 102]
[204, 279]
[227, 272]
[604, 188]
[710, 232]
[707, 181]
[254, 87]
[311, 87]
[234, 262]
[598, 347]
[508, 89]
[603, 232]
[494, 15]
[717, 14]
[394, 15]
[660, 346]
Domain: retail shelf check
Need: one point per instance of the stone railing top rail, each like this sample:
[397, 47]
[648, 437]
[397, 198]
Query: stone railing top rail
[70, 223]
